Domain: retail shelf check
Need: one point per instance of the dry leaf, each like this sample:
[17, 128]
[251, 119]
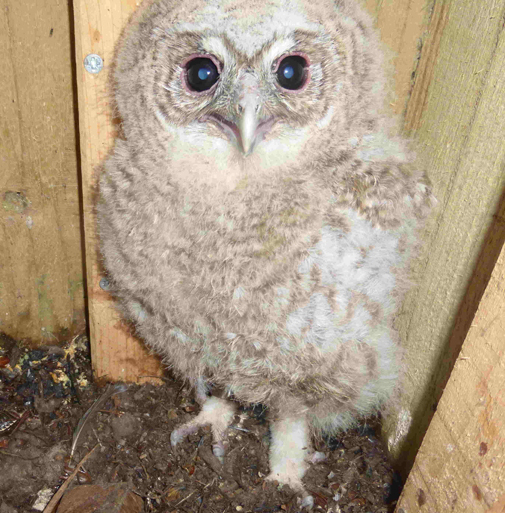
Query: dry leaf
[115, 498]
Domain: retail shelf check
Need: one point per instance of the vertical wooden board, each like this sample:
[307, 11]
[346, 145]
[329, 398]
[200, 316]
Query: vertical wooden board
[457, 112]
[41, 273]
[461, 464]
[402, 24]
[116, 353]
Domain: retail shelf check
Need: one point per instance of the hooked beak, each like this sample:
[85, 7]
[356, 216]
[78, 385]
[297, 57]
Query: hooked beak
[246, 127]
[251, 126]
[248, 123]
[248, 107]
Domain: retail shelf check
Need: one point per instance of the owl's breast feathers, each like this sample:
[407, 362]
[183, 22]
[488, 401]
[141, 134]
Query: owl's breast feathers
[286, 287]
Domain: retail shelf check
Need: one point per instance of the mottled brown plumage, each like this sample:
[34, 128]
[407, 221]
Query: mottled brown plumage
[259, 230]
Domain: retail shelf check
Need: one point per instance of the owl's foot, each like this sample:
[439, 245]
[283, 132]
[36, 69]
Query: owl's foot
[290, 451]
[318, 457]
[219, 414]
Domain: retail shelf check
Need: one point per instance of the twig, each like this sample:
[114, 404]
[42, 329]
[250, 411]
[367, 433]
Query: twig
[57, 496]
[147, 475]
[184, 500]
[18, 456]
[200, 509]
[97, 439]
[20, 421]
[204, 495]
[116, 389]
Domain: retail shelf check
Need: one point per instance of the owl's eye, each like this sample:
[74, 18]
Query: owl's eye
[292, 72]
[201, 74]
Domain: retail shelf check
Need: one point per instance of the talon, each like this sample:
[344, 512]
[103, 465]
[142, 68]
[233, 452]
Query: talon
[219, 450]
[307, 502]
[216, 412]
[318, 457]
[176, 436]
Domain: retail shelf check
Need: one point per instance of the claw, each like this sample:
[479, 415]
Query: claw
[307, 503]
[318, 457]
[216, 412]
[218, 450]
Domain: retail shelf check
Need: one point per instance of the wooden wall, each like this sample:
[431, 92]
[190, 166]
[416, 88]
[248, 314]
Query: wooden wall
[456, 110]
[117, 354]
[460, 465]
[41, 277]
[448, 57]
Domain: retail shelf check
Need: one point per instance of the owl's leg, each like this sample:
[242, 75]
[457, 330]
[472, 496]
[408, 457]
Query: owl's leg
[290, 451]
[201, 391]
[217, 412]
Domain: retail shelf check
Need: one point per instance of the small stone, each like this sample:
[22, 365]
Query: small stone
[43, 498]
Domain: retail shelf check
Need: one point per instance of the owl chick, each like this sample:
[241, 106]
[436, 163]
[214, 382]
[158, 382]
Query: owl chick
[258, 214]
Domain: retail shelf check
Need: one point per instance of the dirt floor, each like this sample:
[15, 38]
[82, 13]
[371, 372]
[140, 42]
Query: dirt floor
[45, 393]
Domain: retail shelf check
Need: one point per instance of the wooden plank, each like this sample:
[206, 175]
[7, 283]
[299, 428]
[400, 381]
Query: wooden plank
[116, 353]
[457, 112]
[461, 463]
[41, 267]
[402, 25]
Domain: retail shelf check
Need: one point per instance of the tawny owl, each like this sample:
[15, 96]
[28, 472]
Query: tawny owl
[258, 213]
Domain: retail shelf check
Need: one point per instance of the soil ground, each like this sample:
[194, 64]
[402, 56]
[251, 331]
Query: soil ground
[45, 393]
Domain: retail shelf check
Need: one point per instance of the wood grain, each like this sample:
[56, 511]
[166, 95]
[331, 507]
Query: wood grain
[116, 353]
[457, 112]
[41, 264]
[402, 25]
[461, 463]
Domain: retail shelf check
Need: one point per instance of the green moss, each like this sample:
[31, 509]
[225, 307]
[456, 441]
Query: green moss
[74, 286]
[15, 202]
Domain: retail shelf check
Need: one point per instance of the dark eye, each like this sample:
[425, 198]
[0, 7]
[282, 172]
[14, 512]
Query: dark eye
[292, 72]
[201, 74]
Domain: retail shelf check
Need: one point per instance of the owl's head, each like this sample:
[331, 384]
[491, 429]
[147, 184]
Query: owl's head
[260, 83]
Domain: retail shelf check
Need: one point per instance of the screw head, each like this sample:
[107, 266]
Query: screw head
[93, 63]
[104, 284]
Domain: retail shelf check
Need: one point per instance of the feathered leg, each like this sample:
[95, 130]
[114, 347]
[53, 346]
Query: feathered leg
[216, 412]
[290, 451]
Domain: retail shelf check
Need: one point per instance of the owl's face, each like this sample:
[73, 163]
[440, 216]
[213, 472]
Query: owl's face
[257, 84]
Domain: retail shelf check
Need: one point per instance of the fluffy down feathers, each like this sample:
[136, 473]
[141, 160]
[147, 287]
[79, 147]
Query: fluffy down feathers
[273, 273]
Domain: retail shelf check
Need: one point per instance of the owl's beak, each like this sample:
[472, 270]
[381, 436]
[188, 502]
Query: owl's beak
[248, 106]
[247, 124]
[251, 127]
[244, 125]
